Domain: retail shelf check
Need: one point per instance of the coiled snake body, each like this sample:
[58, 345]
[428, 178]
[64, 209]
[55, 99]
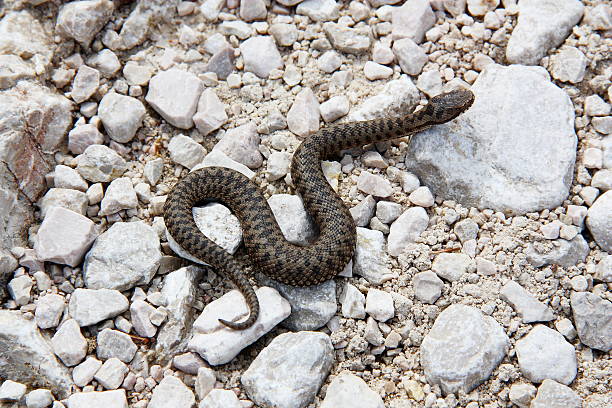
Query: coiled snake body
[266, 246]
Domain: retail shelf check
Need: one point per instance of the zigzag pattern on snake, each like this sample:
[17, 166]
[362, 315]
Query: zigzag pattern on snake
[265, 244]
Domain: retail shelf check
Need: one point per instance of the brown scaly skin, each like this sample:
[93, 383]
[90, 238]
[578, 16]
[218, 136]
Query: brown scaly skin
[268, 250]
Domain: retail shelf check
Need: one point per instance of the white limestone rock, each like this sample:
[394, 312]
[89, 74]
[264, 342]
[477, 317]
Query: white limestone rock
[593, 318]
[98, 399]
[111, 374]
[289, 372]
[374, 184]
[99, 163]
[64, 237]
[113, 343]
[82, 20]
[39, 398]
[186, 151]
[530, 308]
[568, 65]
[564, 253]
[49, 310]
[121, 116]
[85, 84]
[471, 161]
[410, 56]
[303, 116]
[353, 302]
[412, 20]
[91, 306]
[126, 255]
[171, 391]
[462, 349]
[397, 98]
[242, 145]
[119, 195]
[83, 136]
[319, 10]
[599, 222]
[211, 112]
[73, 200]
[544, 354]
[174, 94]
[406, 229]
[83, 373]
[252, 51]
[346, 388]
[295, 223]
[69, 344]
[542, 25]
[551, 394]
[379, 305]
[68, 178]
[450, 266]
[356, 40]
[370, 259]
[427, 287]
[218, 344]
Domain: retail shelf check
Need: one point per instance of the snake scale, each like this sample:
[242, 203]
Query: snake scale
[267, 249]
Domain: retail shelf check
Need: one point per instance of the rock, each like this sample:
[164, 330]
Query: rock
[49, 310]
[470, 161]
[530, 309]
[40, 398]
[374, 184]
[349, 40]
[593, 318]
[136, 74]
[599, 223]
[551, 394]
[68, 178]
[303, 116]
[99, 163]
[82, 20]
[381, 53]
[85, 84]
[462, 349]
[370, 259]
[406, 229]
[73, 200]
[185, 151]
[121, 116]
[14, 69]
[141, 312]
[522, 394]
[568, 65]
[218, 224]
[12, 391]
[603, 270]
[49, 118]
[83, 136]
[450, 266]
[334, 108]
[542, 25]
[113, 343]
[353, 302]
[98, 399]
[205, 382]
[279, 164]
[295, 223]
[153, 170]
[111, 374]
[179, 290]
[85, 372]
[174, 94]
[427, 287]
[242, 145]
[374, 71]
[319, 10]
[329, 61]
[211, 113]
[69, 344]
[289, 372]
[126, 255]
[252, 50]
[379, 305]
[398, 97]
[238, 28]
[594, 105]
[422, 197]
[410, 56]
[23, 35]
[218, 344]
[106, 62]
[346, 388]
[412, 20]
[253, 10]
[563, 253]
[90, 306]
[364, 211]
[120, 195]
[221, 399]
[284, 34]
[544, 354]
[64, 237]
[171, 392]
[19, 288]
[387, 211]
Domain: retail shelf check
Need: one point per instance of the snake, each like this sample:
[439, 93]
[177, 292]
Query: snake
[267, 249]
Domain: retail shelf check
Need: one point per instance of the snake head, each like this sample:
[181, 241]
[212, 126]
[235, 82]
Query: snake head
[448, 106]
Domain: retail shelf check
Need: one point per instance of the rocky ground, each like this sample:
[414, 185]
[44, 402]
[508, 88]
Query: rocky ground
[483, 265]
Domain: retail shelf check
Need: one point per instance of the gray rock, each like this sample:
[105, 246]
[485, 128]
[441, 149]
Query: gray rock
[387, 211]
[171, 392]
[98, 399]
[69, 344]
[427, 287]
[252, 51]
[221, 399]
[289, 372]
[238, 28]
[319, 10]
[542, 25]
[73, 200]
[410, 56]
[99, 163]
[295, 223]
[530, 309]
[406, 229]
[12, 391]
[551, 394]
[593, 318]
[120, 195]
[49, 310]
[398, 96]
[346, 388]
[544, 354]
[113, 343]
[211, 112]
[20, 289]
[121, 116]
[412, 20]
[599, 222]
[311, 306]
[462, 348]
[126, 255]
[40, 398]
[91, 306]
[186, 151]
[563, 253]
[353, 302]
[349, 40]
[242, 145]
[84, 372]
[111, 374]
[64, 237]
[303, 116]
[222, 62]
[83, 136]
[218, 344]
[85, 84]
[82, 20]
[364, 211]
[284, 34]
[370, 260]
[174, 94]
[153, 170]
